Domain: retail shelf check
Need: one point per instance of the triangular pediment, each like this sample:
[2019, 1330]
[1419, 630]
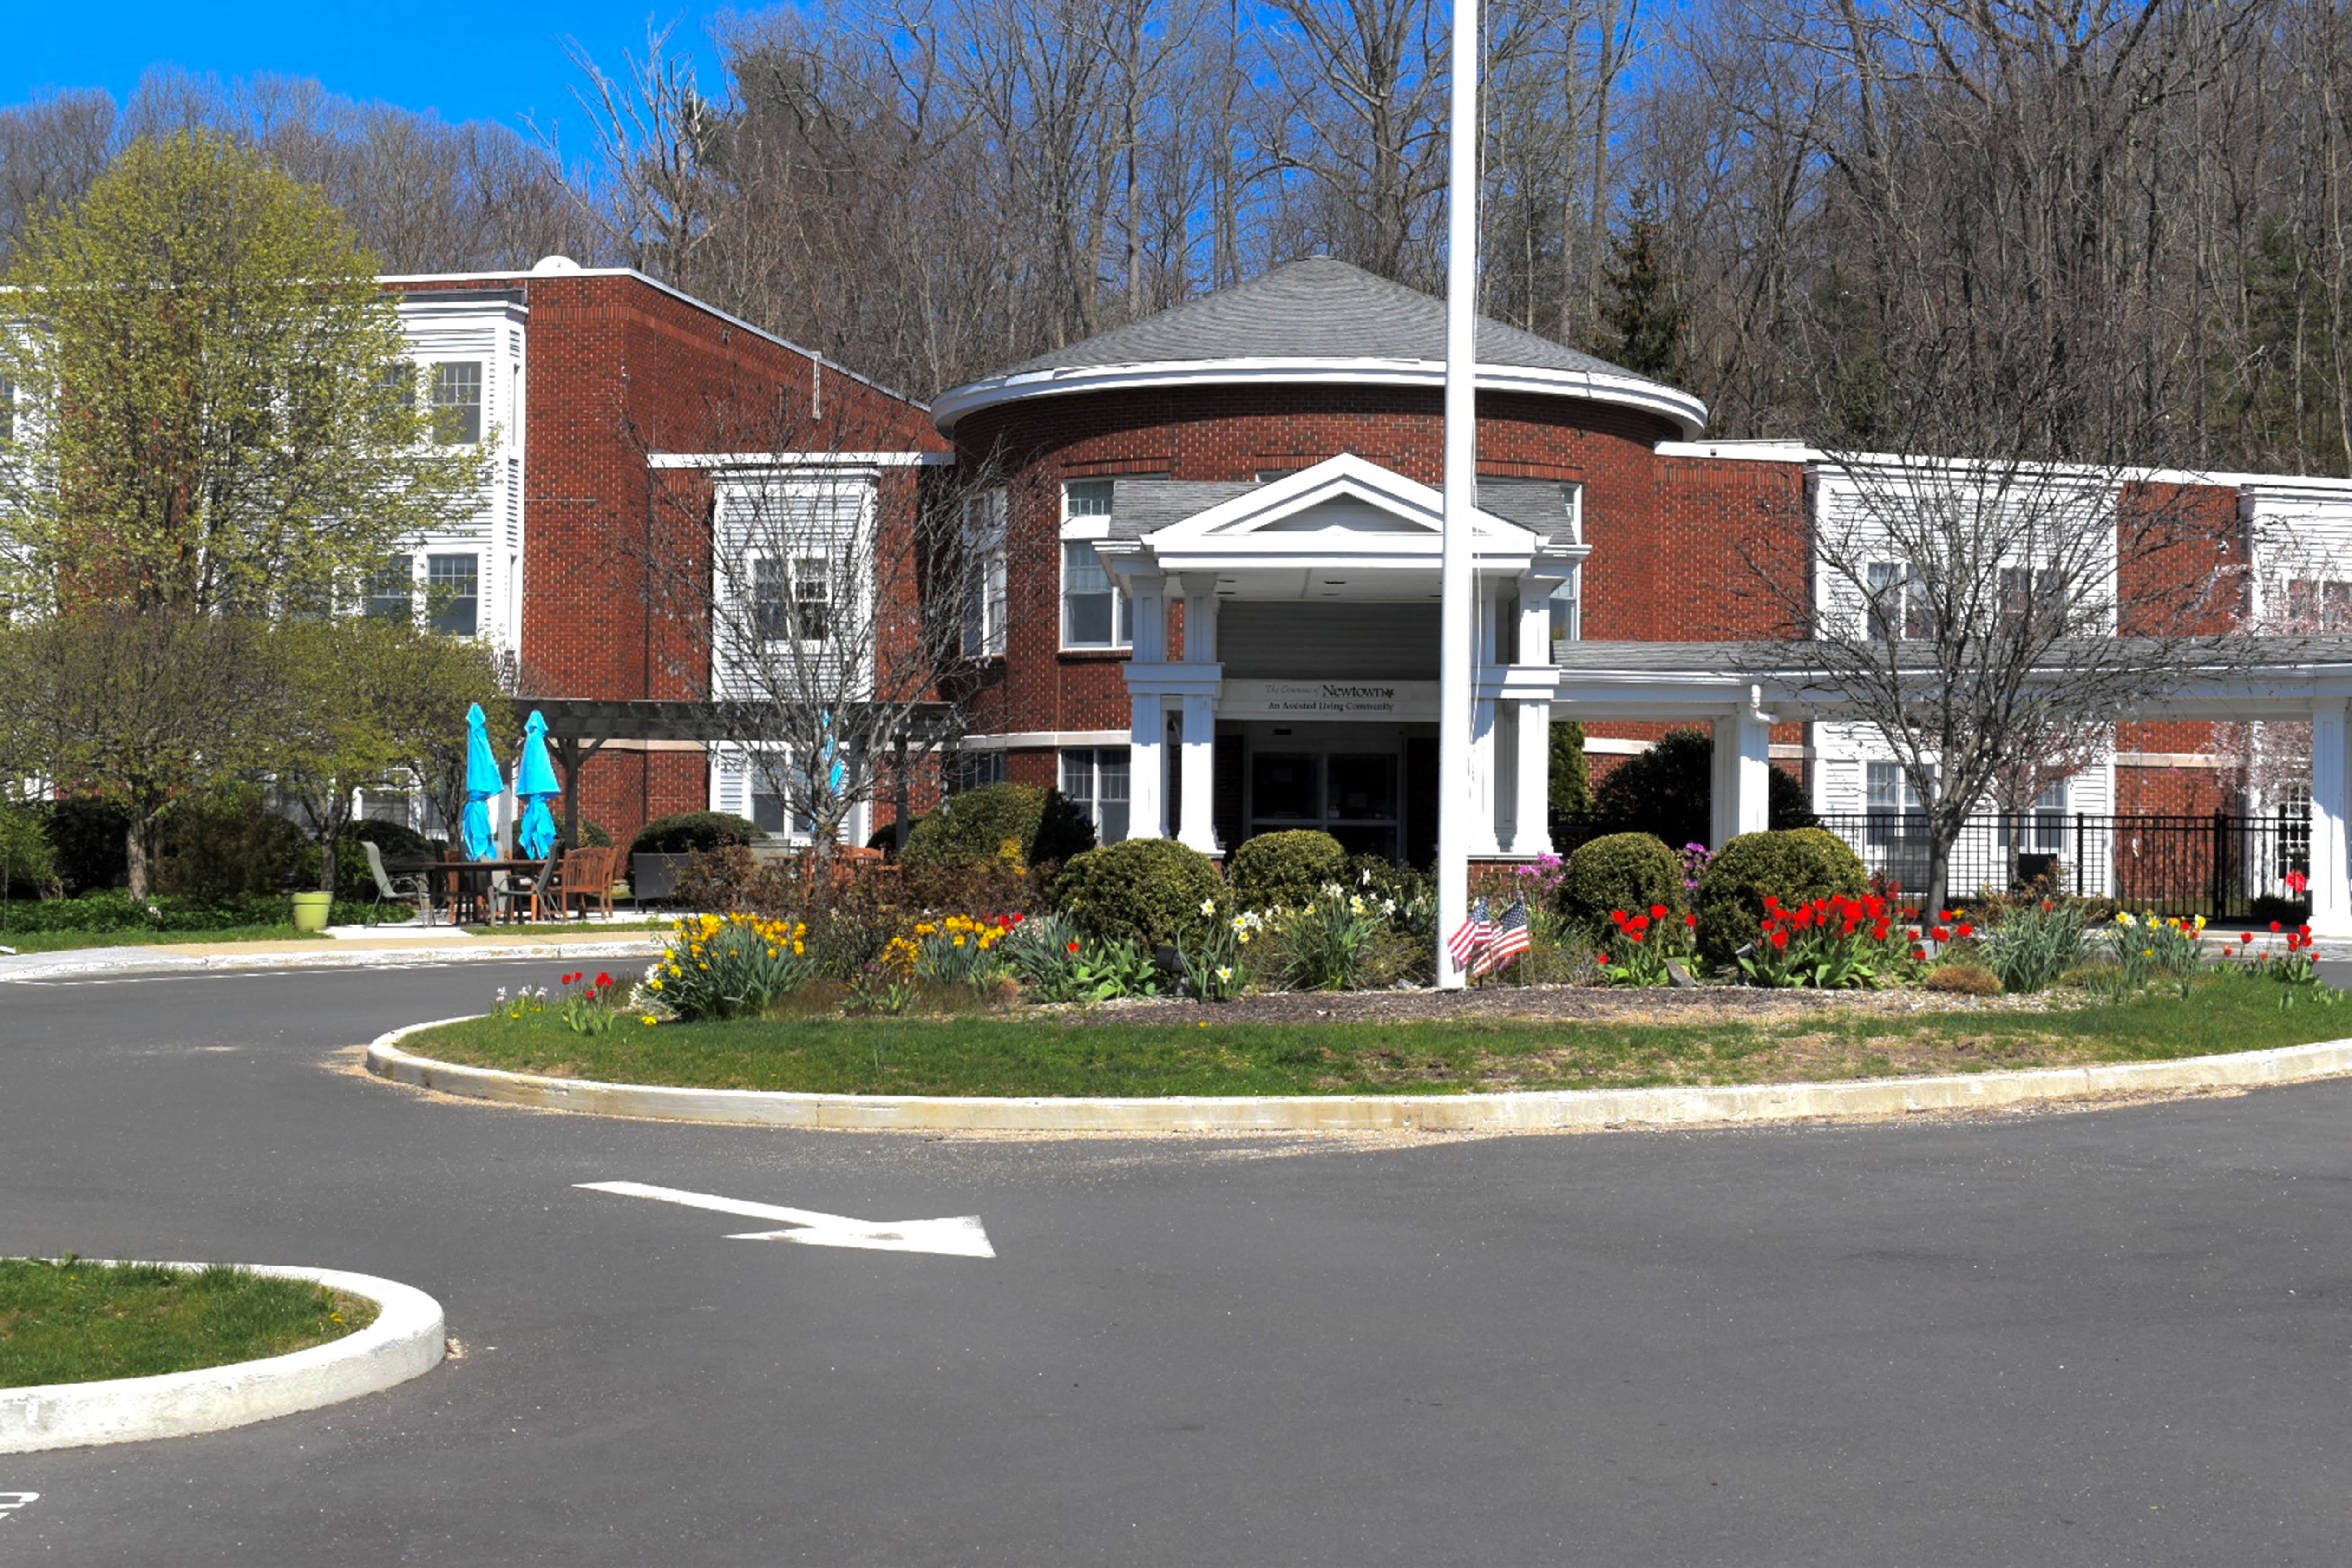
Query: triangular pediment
[1342, 506]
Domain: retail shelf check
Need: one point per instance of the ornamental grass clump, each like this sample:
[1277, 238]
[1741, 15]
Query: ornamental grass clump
[1832, 944]
[1216, 963]
[2029, 945]
[730, 966]
[1326, 943]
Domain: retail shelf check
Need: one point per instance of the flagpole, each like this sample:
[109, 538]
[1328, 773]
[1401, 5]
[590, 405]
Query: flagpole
[1461, 475]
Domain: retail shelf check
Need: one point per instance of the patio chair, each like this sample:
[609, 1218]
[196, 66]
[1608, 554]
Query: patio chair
[588, 877]
[525, 896]
[408, 889]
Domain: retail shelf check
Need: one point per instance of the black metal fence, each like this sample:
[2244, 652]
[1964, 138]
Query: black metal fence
[2221, 865]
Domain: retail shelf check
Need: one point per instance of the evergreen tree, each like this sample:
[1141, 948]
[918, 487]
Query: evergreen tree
[1644, 320]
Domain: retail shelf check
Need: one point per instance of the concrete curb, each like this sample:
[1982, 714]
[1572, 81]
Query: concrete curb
[406, 1338]
[30, 966]
[1552, 1111]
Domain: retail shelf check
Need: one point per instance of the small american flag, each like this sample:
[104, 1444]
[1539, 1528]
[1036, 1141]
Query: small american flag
[1509, 940]
[1472, 936]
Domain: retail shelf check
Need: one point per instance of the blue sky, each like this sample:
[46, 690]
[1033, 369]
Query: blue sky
[482, 61]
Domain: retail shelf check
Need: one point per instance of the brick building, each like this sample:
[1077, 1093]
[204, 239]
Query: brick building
[1202, 573]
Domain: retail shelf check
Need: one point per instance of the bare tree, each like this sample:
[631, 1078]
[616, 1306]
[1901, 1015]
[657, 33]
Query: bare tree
[814, 580]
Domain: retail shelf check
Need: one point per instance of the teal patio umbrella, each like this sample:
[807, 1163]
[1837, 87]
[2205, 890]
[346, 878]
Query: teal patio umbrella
[483, 783]
[535, 785]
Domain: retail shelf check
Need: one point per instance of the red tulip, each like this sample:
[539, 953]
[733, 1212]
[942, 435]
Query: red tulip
[1657, 911]
[1780, 939]
[1074, 947]
[1967, 929]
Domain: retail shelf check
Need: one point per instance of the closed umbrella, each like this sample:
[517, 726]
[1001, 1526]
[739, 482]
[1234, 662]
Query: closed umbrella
[483, 784]
[535, 785]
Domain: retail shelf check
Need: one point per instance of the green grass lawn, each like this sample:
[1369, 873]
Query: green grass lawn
[78, 1322]
[1191, 1052]
[68, 941]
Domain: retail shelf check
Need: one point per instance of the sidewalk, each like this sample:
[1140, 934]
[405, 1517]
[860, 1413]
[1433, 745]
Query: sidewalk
[347, 947]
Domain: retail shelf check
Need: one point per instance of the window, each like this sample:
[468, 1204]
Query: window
[1566, 612]
[2036, 595]
[391, 591]
[398, 379]
[1094, 780]
[983, 575]
[1899, 604]
[2319, 606]
[1894, 804]
[1094, 611]
[457, 402]
[453, 593]
[768, 598]
[969, 770]
[7, 409]
[1085, 498]
[2042, 825]
[793, 598]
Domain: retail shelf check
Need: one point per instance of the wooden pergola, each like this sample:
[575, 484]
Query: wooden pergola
[580, 727]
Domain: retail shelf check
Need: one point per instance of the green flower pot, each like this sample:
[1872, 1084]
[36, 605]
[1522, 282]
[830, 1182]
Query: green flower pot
[311, 910]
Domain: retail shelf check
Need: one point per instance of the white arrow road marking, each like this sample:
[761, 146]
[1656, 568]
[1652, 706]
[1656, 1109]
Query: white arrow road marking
[961, 1237]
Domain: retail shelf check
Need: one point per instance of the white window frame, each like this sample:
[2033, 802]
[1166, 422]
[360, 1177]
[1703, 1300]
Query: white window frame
[433, 612]
[1122, 609]
[1094, 768]
[479, 406]
[982, 593]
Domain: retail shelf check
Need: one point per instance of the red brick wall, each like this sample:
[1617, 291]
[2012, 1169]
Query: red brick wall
[1230, 434]
[618, 367]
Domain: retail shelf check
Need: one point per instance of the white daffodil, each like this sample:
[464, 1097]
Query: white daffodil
[1208, 906]
[1224, 976]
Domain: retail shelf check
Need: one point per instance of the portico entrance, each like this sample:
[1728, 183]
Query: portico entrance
[1371, 786]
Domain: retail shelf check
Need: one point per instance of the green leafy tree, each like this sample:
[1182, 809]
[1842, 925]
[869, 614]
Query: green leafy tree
[142, 710]
[213, 412]
[377, 704]
[1571, 775]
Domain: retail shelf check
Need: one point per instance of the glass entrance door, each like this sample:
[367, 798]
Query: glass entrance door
[1351, 795]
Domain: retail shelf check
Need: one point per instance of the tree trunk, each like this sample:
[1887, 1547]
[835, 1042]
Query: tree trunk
[137, 854]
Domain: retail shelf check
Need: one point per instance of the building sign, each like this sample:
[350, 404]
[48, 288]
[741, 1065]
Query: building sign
[1364, 699]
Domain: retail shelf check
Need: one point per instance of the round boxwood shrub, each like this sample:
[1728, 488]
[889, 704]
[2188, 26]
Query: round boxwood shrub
[1285, 868]
[974, 827]
[1794, 867]
[1147, 890]
[694, 832]
[1630, 871]
[1669, 790]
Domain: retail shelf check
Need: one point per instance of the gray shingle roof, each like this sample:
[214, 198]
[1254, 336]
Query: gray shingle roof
[1316, 309]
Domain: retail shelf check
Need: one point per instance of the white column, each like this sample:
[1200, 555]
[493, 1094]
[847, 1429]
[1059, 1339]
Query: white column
[2331, 803]
[1147, 752]
[1531, 829]
[1199, 826]
[1531, 832]
[1484, 837]
[1742, 794]
[1454, 565]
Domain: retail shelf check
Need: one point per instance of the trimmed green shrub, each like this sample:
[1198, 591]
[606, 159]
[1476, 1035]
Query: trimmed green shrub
[114, 909]
[228, 845]
[87, 836]
[1147, 890]
[1285, 868]
[1629, 872]
[1064, 832]
[1572, 772]
[592, 835]
[1793, 866]
[397, 840]
[28, 867]
[975, 827]
[694, 832]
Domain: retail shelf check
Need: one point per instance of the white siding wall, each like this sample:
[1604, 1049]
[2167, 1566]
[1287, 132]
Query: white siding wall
[489, 333]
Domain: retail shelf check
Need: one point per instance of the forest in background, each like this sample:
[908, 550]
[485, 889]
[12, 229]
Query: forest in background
[2110, 230]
